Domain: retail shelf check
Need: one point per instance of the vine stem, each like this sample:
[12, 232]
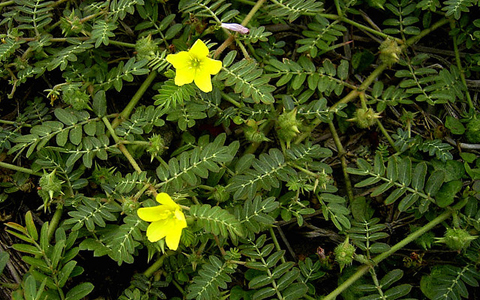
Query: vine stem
[343, 160]
[275, 242]
[387, 135]
[53, 224]
[459, 66]
[133, 102]
[156, 265]
[410, 238]
[120, 145]
[18, 169]
[6, 3]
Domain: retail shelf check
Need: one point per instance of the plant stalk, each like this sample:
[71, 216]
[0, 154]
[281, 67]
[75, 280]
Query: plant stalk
[133, 102]
[343, 160]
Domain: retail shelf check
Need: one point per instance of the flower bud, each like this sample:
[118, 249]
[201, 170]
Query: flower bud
[344, 254]
[72, 95]
[235, 27]
[71, 24]
[101, 175]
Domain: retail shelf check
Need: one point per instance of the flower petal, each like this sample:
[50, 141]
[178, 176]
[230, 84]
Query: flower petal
[199, 50]
[173, 237]
[152, 214]
[203, 81]
[165, 199]
[181, 60]
[158, 230]
[211, 66]
[184, 76]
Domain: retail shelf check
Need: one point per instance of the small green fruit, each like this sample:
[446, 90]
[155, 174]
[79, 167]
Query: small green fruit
[146, 48]
[157, 146]
[365, 117]
[456, 239]
[390, 52]
[220, 194]
[344, 253]
[287, 126]
[253, 133]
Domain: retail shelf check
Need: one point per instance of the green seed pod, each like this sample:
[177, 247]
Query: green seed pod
[252, 132]
[71, 24]
[130, 206]
[50, 187]
[287, 126]
[220, 194]
[146, 48]
[365, 117]
[100, 175]
[79, 100]
[390, 52]
[457, 239]
[344, 254]
[157, 146]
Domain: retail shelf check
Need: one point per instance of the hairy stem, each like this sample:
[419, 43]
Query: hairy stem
[460, 69]
[133, 102]
[18, 169]
[343, 160]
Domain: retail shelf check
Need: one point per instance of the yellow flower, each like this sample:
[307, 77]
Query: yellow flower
[167, 220]
[194, 65]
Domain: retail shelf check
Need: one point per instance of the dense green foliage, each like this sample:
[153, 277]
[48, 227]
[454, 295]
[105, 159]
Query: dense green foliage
[336, 155]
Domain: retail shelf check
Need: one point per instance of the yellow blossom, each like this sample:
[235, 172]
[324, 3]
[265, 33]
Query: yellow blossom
[167, 220]
[194, 65]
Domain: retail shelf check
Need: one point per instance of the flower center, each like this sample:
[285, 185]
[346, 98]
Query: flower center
[195, 63]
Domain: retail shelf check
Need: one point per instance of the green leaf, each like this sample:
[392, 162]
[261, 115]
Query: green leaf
[27, 249]
[65, 117]
[264, 293]
[260, 281]
[391, 277]
[398, 291]
[295, 291]
[4, 257]
[79, 291]
[30, 225]
[76, 134]
[446, 195]
[65, 272]
[419, 176]
[287, 279]
[455, 126]
[30, 290]
[99, 105]
[57, 252]
[434, 182]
